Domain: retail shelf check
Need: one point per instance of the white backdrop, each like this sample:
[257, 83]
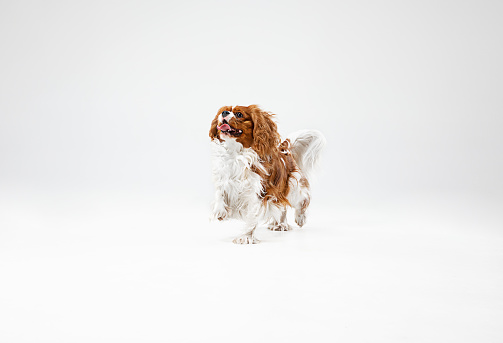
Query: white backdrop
[121, 93]
[105, 108]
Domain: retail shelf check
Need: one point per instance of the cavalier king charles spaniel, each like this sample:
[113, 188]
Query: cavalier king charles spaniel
[256, 175]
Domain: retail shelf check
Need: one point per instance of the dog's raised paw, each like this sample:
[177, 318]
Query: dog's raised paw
[220, 213]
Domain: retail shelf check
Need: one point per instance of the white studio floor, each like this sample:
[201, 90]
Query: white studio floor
[122, 268]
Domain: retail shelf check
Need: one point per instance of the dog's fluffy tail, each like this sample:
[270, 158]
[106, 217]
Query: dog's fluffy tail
[306, 149]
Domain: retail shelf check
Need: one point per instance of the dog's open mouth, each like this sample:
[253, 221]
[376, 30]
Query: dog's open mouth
[226, 128]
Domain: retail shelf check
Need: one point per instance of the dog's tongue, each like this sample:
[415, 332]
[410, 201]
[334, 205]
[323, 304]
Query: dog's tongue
[224, 127]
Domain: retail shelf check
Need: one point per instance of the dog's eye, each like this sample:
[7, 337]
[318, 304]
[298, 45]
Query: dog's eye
[239, 114]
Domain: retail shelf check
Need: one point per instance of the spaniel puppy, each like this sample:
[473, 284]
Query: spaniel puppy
[257, 177]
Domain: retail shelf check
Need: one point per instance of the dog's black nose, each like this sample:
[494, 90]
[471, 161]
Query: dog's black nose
[225, 113]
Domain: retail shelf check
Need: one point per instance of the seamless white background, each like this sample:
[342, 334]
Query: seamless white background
[105, 176]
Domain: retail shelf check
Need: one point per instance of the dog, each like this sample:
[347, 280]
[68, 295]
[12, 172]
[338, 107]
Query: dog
[256, 176]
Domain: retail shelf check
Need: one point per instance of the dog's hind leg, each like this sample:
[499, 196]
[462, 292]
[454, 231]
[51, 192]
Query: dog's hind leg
[300, 197]
[300, 212]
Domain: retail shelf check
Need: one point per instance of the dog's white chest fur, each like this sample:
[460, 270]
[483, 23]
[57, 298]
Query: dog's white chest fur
[234, 179]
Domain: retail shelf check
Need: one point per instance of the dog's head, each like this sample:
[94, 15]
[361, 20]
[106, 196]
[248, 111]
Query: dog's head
[248, 125]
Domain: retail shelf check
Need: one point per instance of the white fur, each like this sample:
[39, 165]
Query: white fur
[306, 148]
[228, 117]
[237, 186]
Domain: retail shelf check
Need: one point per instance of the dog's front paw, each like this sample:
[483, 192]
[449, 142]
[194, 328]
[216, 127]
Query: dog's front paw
[222, 215]
[245, 239]
[279, 227]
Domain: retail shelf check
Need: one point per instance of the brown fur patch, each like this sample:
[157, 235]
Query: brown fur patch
[304, 183]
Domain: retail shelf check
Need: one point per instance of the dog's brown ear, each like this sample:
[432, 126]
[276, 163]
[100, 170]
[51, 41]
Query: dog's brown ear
[265, 133]
[213, 128]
